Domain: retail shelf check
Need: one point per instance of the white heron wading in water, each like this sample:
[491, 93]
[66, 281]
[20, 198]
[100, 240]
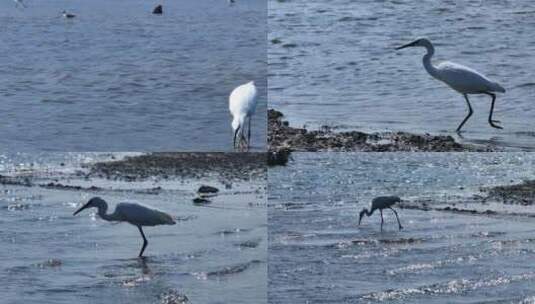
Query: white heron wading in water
[134, 214]
[381, 202]
[242, 105]
[460, 78]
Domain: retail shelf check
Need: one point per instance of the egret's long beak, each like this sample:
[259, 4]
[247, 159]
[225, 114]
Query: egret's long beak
[80, 209]
[406, 45]
[361, 215]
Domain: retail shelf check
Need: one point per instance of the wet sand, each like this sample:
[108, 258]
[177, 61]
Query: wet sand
[282, 136]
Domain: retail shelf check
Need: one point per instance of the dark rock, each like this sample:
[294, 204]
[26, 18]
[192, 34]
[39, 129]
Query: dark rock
[201, 200]
[158, 10]
[207, 190]
[279, 157]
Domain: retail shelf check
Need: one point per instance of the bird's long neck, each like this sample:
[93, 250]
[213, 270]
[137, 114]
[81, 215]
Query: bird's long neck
[102, 209]
[429, 67]
[368, 213]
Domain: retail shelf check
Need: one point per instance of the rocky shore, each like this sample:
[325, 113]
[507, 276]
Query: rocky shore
[281, 136]
[231, 166]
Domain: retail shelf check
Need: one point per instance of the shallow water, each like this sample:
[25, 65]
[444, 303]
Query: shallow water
[118, 78]
[335, 64]
[319, 254]
[214, 254]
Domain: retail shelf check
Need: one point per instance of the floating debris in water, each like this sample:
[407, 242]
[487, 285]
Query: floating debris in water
[51, 263]
[133, 282]
[172, 296]
[17, 207]
[233, 231]
[229, 270]
[249, 244]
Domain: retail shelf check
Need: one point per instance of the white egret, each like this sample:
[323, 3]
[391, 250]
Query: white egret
[134, 214]
[242, 105]
[460, 78]
[382, 202]
[67, 15]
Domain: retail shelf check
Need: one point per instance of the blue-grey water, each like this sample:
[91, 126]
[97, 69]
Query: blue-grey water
[214, 254]
[333, 63]
[318, 253]
[118, 78]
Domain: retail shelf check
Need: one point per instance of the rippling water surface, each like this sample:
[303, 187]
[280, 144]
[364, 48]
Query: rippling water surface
[317, 253]
[214, 254]
[334, 63]
[117, 78]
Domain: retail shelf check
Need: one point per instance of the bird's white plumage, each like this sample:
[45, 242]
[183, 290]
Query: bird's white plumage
[242, 103]
[465, 80]
[460, 78]
[136, 214]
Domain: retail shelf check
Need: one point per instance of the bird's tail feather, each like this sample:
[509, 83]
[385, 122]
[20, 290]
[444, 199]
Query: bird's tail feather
[167, 219]
[498, 87]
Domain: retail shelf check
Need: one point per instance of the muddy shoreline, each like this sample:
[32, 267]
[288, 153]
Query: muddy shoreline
[521, 194]
[222, 165]
[281, 136]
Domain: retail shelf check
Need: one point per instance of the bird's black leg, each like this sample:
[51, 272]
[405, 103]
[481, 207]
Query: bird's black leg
[243, 142]
[470, 111]
[492, 122]
[249, 133]
[145, 242]
[236, 135]
[382, 220]
[396, 214]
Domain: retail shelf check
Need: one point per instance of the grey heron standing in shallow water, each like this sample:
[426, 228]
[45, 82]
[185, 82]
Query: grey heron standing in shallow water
[460, 78]
[382, 202]
[132, 213]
